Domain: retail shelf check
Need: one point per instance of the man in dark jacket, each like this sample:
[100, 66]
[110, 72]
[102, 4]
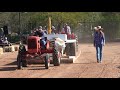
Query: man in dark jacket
[42, 37]
[40, 33]
[99, 42]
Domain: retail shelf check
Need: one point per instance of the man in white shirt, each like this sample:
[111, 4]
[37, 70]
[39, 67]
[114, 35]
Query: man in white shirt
[67, 29]
[6, 41]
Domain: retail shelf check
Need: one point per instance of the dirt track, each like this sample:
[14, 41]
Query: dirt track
[84, 67]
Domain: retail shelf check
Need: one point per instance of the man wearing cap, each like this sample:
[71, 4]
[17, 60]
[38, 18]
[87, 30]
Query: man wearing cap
[99, 42]
[53, 30]
[42, 37]
[67, 29]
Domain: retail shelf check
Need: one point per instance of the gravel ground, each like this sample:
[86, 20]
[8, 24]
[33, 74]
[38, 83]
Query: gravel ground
[85, 66]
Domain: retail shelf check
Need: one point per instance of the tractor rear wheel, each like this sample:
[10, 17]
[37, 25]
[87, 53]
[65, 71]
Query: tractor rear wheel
[47, 61]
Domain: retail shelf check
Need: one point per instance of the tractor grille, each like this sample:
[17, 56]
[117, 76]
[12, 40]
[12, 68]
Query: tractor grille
[32, 44]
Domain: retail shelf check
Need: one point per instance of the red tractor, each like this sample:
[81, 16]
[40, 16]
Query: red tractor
[34, 49]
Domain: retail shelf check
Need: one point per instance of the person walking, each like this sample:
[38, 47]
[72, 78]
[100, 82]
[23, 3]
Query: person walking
[99, 42]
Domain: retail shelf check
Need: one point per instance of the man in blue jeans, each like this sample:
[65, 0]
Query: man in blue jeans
[99, 42]
[42, 37]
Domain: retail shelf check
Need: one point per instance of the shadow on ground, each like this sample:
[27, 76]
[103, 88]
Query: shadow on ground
[37, 69]
[118, 67]
[42, 67]
[85, 63]
[12, 63]
[8, 68]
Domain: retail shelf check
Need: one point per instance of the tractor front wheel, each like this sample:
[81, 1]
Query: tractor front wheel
[47, 61]
[56, 58]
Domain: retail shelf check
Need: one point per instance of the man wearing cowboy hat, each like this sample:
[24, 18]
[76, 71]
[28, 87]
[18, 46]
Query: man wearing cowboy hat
[99, 42]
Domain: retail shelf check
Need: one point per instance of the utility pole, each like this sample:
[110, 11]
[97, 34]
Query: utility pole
[19, 15]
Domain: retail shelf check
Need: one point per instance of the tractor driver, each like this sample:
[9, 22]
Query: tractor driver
[42, 37]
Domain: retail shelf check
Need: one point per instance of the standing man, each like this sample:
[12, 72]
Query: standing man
[67, 29]
[99, 42]
[5, 41]
[45, 29]
[53, 30]
[1, 32]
